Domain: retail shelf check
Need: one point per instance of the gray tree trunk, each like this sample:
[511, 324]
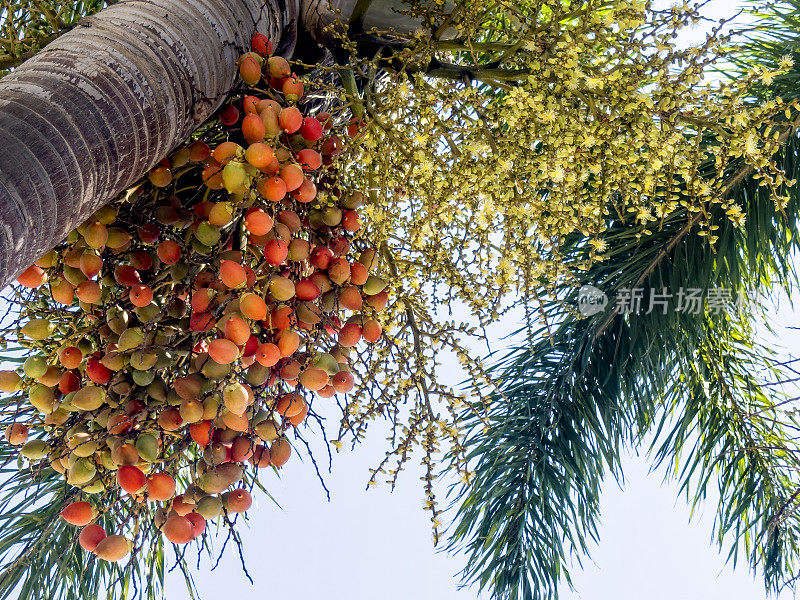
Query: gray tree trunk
[97, 108]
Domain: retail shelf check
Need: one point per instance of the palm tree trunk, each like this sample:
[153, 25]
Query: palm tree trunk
[98, 107]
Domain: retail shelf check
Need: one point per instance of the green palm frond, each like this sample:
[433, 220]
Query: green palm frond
[573, 394]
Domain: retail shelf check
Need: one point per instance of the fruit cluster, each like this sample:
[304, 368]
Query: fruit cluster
[179, 333]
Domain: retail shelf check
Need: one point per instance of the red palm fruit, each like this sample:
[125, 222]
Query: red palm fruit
[282, 318]
[221, 213]
[170, 419]
[325, 119]
[253, 307]
[62, 290]
[201, 321]
[322, 281]
[249, 70]
[269, 117]
[290, 119]
[291, 219]
[118, 424]
[258, 222]
[140, 295]
[182, 506]
[91, 264]
[358, 273]
[96, 234]
[272, 188]
[90, 536]
[331, 146]
[160, 487]
[268, 354]
[235, 422]
[343, 382]
[32, 277]
[97, 371]
[278, 67]
[16, 434]
[198, 524]
[280, 451]
[353, 126]
[371, 331]
[306, 290]
[160, 176]
[260, 44]
[237, 330]
[378, 301]
[203, 209]
[250, 104]
[292, 88]
[130, 478]
[292, 176]
[306, 192]
[253, 129]
[339, 270]
[212, 175]
[313, 379]
[250, 347]
[77, 513]
[232, 274]
[50, 378]
[327, 391]
[223, 351]
[276, 251]
[260, 457]
[126, 454]
[259, 154]
[141, 260]
[112, 548]
[148, 233]
[241, 449]
[290, 404]
[126, 275]
[310, 159]
[178, 529]
[321, 257]
[229, 115]
[70, 357]
[299, 417]
[169, 252]
[226, 151]
[350, 221]
[239, 501]
[201, 433]
[290, 370]
[349, 335]
[339, 245]
[288, 342]
[201, 299]
[199, 151]
[350, 298]
[311, 130]
[203, 279]
[88, 291]
[69, 382]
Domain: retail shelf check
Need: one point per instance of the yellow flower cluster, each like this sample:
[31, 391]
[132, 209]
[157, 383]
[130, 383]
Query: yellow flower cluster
[512, 125]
